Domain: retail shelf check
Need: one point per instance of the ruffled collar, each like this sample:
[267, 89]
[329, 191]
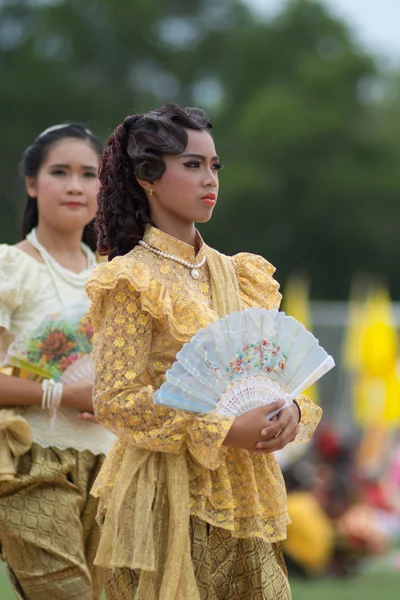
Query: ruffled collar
[166, 243]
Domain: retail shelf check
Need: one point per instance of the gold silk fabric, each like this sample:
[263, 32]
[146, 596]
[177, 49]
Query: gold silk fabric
[168, 464]
[15, 440]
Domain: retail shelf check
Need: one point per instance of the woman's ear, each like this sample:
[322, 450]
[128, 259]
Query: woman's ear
[30, 184]
[146, 185]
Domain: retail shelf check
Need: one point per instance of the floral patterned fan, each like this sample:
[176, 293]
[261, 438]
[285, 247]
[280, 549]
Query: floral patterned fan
[242, 361]
[55, 345]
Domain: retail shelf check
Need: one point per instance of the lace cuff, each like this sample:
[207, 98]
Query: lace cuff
[311, 415]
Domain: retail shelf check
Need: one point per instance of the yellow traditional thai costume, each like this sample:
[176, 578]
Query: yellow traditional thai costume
[48, 531]
[183, 517]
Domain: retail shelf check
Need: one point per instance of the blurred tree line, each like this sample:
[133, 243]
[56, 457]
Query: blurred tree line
[306, 122]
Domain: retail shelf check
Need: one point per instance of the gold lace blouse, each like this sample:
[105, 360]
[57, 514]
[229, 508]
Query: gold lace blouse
[144, 307]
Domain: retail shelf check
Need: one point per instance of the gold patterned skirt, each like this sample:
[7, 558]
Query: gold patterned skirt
[226, 568]
[48, 532]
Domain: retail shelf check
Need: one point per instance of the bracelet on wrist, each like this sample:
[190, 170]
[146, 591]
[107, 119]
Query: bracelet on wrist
[51, 397]
[298, 408]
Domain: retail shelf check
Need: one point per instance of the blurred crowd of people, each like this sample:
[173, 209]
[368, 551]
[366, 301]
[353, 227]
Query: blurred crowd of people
[343, 501]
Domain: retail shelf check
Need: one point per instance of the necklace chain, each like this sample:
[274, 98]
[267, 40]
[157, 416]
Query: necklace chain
[193, 267]
[76, 279]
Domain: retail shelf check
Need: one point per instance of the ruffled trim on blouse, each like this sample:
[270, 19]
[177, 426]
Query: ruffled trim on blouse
[257, 286]
[175, 309]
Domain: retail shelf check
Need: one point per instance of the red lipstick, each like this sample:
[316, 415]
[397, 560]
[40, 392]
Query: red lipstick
[210, 198]
[73, 204]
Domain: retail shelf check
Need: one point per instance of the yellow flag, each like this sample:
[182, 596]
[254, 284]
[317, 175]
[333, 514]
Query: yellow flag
[377, 389]
[296, 304]
[379, 344]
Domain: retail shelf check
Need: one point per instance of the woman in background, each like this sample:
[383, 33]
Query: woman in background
[48, 533]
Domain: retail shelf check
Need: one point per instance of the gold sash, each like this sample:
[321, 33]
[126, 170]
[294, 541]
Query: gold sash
[224, 283]
[145, 520]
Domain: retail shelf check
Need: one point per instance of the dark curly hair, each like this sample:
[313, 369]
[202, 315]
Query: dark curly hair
[33, 158]
[135, 151]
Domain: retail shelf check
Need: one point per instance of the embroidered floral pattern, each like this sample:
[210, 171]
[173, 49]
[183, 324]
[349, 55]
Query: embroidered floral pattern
[264, 355]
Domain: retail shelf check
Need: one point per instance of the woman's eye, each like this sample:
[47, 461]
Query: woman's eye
[196, 165]
[58, 172]
[90, 175]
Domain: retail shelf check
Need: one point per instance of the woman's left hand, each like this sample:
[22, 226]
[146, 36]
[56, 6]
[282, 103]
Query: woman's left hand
[288, 419]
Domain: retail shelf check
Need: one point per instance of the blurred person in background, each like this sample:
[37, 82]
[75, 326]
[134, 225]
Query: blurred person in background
[310, 542]
[192, 506]
[338, 518]
[371, 524]
[48, 532]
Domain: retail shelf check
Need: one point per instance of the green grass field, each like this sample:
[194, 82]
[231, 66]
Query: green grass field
[365, 587]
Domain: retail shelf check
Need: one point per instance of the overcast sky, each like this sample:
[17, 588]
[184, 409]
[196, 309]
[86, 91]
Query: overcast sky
[375, 22]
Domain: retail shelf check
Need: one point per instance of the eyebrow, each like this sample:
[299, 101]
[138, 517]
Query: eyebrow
[62, 166]
[200, 156]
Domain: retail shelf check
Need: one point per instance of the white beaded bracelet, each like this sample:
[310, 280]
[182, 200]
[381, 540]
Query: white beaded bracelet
[55, 402]
[57, 392]
[51, 397]
[45, 384]
[47, 387]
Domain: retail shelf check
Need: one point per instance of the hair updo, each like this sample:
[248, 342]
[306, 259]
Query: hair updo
[135, 151]
[34, 157]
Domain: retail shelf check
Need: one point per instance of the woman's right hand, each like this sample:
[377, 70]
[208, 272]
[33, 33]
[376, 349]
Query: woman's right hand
[78, 396]
[246, 429]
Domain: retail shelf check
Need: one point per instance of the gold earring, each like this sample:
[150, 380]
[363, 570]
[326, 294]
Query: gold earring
[151, 191]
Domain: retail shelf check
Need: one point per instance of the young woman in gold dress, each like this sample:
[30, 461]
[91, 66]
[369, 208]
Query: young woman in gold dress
[192, 506]
[48, 532]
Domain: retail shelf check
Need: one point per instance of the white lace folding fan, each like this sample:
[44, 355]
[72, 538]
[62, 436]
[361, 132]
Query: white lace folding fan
[242, 361]
[80, 370]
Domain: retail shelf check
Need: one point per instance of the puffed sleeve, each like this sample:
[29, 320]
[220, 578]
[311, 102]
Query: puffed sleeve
[258, 288]
[123, 390]
[18, 284]
[17, 281]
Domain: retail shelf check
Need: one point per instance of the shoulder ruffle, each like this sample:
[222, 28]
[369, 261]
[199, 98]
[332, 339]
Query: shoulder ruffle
[18, 280]
[182, 312]
[257, 286]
